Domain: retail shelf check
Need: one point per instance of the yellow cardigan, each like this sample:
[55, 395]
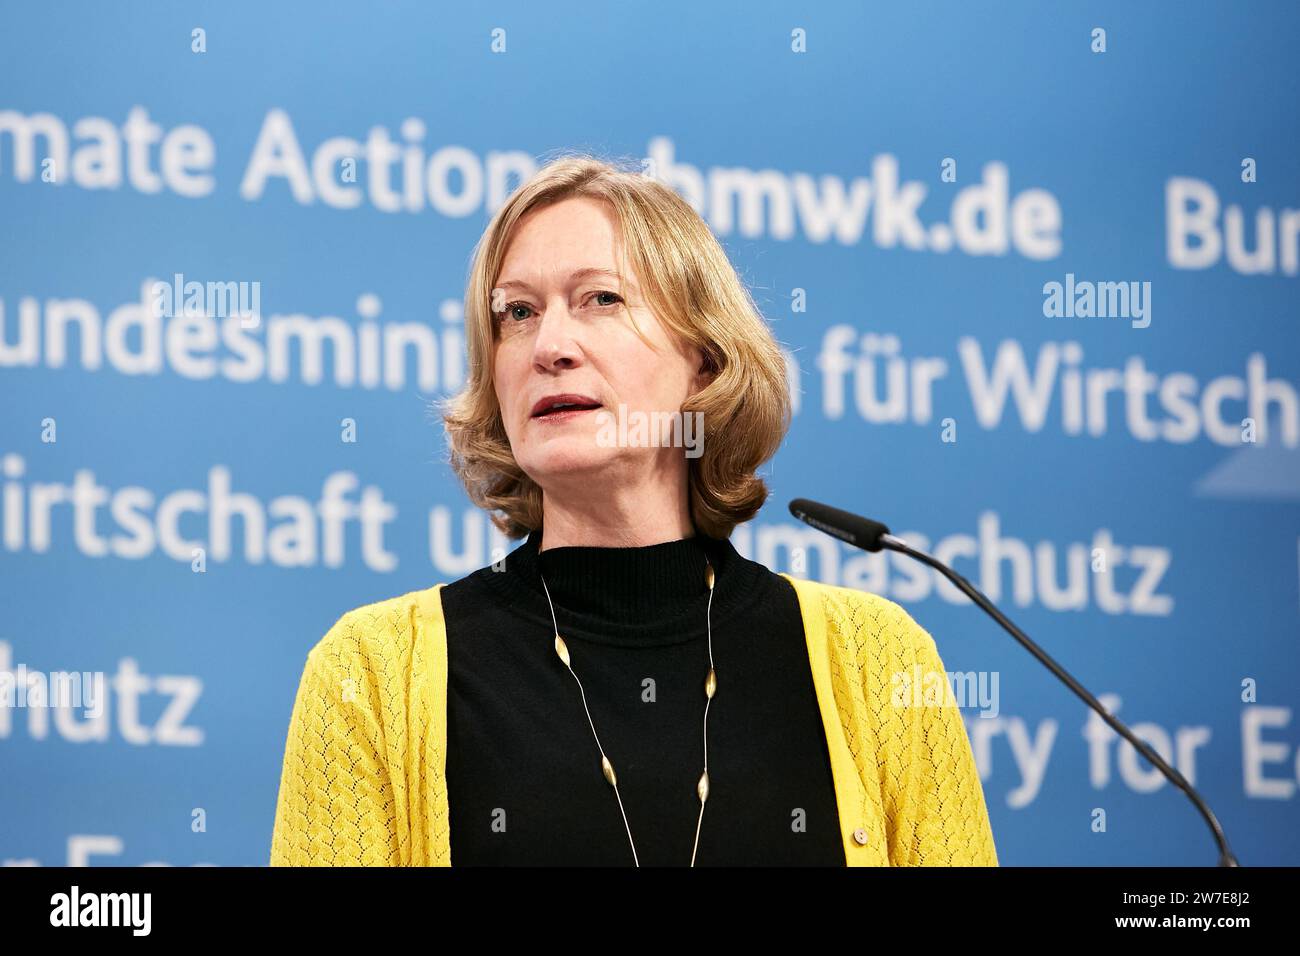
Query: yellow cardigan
[363, 782]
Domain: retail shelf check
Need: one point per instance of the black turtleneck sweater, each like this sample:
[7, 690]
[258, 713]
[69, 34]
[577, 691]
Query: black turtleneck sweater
[523, 770]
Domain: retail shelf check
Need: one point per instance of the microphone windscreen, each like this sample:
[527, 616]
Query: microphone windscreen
[856, 530]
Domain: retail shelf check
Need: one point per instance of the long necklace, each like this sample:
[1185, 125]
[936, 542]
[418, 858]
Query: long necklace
[710, 688]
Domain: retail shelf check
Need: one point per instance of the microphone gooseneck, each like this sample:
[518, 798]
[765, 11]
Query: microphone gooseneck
[873, 536]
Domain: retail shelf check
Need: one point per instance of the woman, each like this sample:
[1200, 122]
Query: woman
[623, 688]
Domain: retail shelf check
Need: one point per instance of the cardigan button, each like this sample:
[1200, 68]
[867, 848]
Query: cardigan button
[860, 835]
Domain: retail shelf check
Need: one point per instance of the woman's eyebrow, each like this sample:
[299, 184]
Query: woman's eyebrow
[575, 277]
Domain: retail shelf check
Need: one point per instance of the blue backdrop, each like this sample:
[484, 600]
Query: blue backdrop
[1035, 266]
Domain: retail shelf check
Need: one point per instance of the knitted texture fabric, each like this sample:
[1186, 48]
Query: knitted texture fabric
[914, 757]
[363, 781]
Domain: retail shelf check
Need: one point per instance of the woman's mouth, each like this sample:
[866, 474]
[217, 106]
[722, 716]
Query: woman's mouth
[564, 413]
[563, 407]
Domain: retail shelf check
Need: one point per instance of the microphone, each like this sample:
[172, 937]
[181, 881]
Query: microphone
[858, 531]
[873, 536]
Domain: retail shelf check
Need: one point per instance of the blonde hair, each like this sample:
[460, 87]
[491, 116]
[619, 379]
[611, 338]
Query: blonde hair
[692, 288]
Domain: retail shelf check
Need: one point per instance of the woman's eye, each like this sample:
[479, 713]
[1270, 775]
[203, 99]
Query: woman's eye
[522, 312]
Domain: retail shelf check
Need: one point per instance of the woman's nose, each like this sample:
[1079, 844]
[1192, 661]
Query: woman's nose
[556, 344]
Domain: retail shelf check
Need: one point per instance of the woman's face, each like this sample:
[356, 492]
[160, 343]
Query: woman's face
[563, 330]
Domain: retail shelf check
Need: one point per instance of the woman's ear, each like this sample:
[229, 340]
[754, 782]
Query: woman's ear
[707, 372]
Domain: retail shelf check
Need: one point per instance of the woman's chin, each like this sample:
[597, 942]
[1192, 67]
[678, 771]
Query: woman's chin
[567, 455]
